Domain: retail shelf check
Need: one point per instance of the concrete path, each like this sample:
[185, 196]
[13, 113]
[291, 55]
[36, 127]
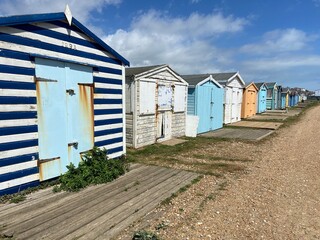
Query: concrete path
[269, 117]
[239, 133]
[258, 124]
[98, 212]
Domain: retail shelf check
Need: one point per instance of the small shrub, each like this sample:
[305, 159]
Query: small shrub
[145, 235]
[95, 168]
[18, 198]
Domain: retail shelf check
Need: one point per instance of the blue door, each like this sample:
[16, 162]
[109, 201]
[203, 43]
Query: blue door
[204, 108]
[263, 100]
[65, 114]
[209, 107]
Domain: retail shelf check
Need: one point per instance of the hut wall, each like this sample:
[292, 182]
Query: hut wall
[20, 45]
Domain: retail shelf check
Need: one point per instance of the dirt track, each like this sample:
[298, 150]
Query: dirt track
[278, 198]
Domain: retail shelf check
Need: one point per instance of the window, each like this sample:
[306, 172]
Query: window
[147, 97]
[164, 96]
[179, 98]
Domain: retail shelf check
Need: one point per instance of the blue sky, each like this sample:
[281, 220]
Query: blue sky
[265, 40]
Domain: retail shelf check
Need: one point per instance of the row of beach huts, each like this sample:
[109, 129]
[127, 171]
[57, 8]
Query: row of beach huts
[63, 90]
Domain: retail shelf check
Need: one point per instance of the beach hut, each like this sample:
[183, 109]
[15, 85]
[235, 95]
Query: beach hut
[293, 98]
[279, 101]
[249, 100]
[233, 85]
[156, 105]
[261, 97]
[61, 90]
[284, 98]
[205, 100]
[272, 96]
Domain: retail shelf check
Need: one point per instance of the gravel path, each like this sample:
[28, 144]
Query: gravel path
[277, 198]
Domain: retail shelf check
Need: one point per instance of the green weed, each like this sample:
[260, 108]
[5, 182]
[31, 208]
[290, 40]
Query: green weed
[145, 235]
[95, 168]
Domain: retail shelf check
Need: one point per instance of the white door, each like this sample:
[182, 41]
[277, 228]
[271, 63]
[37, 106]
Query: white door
[164, 125]
[234, 108]
[228, 105]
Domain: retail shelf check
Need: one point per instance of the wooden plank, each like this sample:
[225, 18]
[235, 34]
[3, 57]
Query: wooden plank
[113, 232]
[44, 194]
[36, 217]
[68, 220]
[109, 220]
[29, 210]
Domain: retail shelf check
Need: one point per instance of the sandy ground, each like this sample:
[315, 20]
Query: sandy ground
[277, 197]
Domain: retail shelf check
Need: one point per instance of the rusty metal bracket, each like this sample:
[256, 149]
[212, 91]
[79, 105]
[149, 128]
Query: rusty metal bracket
[74, 144]
[46, 160]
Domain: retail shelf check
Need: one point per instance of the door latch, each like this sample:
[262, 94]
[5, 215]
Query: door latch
[70, 91]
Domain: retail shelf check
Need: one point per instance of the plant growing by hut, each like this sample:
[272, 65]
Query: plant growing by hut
[145, 235]
[95, 168]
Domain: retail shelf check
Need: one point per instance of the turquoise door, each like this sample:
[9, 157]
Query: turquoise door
[204, 108]
[209, 107]
[262, 105]
[65, 114]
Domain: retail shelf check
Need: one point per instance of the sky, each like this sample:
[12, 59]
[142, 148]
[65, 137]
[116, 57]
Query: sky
[265, 40]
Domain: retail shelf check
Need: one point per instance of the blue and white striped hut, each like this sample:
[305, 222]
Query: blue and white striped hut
[61, 93]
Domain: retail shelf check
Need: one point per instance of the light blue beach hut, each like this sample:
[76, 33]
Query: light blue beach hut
[261, 97]
[205, 100]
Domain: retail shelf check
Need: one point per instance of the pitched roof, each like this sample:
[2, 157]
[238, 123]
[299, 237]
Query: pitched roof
[46, 17]
[270, 84]
[253, 84]
[286, 89]
[200, 79]
[259, 84]
[147, 71]
[223, 76]
[131, 71]
[194, 79]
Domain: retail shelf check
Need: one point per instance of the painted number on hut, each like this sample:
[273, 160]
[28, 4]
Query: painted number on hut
[69, 45]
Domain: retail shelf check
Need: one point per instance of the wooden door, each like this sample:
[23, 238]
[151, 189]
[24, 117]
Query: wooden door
[65, 115]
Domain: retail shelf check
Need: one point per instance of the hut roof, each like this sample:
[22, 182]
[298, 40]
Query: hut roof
[60, 16]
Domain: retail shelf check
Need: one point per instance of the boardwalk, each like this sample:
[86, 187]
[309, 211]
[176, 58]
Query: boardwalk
[98, 212]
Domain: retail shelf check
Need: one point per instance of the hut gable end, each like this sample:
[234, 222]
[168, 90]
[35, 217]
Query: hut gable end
[52, 69]
[159, 97]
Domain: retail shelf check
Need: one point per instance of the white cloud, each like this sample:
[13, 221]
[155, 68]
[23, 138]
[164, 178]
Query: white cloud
[184, 43]
[277, 41]
[282, 63]
[80, 9]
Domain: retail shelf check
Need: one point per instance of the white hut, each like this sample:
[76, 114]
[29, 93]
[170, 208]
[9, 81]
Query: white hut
[233, 87]
[156, 105]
